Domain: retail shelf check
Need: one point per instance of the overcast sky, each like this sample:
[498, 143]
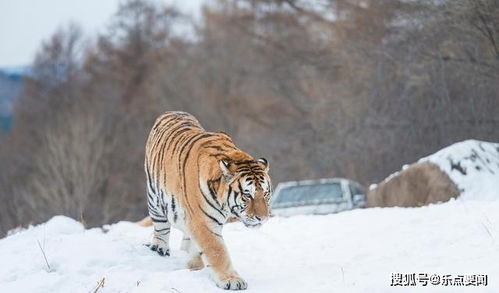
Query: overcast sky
[25, 23]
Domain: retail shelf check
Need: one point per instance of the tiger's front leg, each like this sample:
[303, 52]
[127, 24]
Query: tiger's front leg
[214, 253]
[161, 239]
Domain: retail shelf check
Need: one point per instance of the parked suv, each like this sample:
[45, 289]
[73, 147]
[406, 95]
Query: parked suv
[322, 196]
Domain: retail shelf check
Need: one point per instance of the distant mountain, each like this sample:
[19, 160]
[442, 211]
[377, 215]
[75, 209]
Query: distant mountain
[14, 71]
[11, 79]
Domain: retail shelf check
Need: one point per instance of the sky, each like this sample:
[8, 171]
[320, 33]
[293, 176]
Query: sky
[25, 23]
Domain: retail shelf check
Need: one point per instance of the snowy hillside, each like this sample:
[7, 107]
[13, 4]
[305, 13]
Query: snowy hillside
[354, 251]
[473, 165]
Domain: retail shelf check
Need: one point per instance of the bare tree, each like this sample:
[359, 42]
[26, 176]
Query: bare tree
[340, 88]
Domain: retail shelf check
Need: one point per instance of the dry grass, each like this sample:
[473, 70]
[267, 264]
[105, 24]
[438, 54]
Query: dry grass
[100, 284]
[49, 269]
[420, 184]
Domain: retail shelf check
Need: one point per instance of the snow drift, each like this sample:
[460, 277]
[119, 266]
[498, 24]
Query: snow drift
[473, 165]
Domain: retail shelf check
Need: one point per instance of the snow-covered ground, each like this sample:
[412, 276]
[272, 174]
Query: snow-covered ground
[354, 251]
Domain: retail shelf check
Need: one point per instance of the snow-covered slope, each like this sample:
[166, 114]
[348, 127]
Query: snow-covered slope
[473, 165]
[353, 251]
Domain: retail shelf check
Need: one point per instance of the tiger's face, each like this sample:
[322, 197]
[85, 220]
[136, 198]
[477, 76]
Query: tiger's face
[248, 191]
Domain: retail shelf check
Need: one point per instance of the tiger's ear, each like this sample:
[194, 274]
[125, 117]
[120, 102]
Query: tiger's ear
[265, 163]
[224, 166]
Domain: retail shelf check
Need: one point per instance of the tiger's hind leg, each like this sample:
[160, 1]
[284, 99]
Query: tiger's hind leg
[161, 239]
[195, 261]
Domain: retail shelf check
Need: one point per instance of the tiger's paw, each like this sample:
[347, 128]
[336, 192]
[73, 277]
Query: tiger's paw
[195, 263]
[233, 283]
[160, 247]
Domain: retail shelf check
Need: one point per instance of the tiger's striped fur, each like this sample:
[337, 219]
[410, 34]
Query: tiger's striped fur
[196, 180]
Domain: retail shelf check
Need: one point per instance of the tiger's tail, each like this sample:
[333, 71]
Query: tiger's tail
[145, 222]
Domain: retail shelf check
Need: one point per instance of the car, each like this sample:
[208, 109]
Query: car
[317, 197]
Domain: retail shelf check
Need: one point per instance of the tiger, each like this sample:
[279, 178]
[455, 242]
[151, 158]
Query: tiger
[197, 181]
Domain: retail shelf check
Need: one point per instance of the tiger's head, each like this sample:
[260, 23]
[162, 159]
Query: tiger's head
[248, 190]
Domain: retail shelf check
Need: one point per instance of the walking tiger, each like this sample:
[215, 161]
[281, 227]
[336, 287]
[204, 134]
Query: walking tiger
[196, 181]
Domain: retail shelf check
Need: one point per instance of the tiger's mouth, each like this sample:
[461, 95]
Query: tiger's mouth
[252, 225]
[253, 222]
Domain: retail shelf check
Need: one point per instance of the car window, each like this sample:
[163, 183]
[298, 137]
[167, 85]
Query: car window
[354, 189]
[309, 194]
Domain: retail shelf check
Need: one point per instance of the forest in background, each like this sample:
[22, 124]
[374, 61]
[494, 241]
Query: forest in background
[331, 88]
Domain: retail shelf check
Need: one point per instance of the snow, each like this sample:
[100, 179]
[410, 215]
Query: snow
[352, 251]
[473, 165]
